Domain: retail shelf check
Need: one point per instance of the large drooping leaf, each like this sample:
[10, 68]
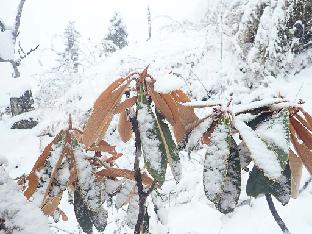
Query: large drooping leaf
[92, 190]
[263, 157]
[103, 110]
[296, 165]
[222, 172]
[152, 146]
[82, 213]
[275, 133]
[124, 127]
[86, 217]
[170, 148]
[280, 188]
[99, 219]
[33, 180]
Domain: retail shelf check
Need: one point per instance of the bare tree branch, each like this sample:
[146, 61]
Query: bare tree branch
[18, 19]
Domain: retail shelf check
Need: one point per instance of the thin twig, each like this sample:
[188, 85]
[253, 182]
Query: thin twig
[60, 229]
[138, 177]
[18, 19]
[306, 184]
[276, 216]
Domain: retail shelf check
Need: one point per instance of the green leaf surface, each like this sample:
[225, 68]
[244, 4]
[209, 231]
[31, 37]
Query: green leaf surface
[83, 214]
[259, 184]
[169, 149]
[222, 171]
[86, 217]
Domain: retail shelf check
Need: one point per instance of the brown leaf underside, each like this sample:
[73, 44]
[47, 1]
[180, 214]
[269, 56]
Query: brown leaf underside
[124, 127]
[103, 111]
[295, 164]
[116, 172]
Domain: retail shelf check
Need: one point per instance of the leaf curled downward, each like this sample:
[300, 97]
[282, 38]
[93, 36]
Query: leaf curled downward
[308, 118]
[303, 151]
[170, 149]
[116, 172]
[295, 164]
[124, 127]
[303, 121]
[152, 147]
[303, 133]
[51, 205]
[104, 146]
[32, 177]
[67, 150]
[103, 110]
[222, 173]
[162, 105]
[180, 96]
[126, 104]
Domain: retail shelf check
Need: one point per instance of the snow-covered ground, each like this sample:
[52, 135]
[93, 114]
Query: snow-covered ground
[191, 51]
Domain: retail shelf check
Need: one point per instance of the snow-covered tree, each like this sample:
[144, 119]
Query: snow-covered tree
[116, 37]
[70, 57]
[268, 33]
[8, 54]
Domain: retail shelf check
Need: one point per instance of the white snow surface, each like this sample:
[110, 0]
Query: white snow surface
[262, 156]
[21, 216]
[171, 83]
[6, 45]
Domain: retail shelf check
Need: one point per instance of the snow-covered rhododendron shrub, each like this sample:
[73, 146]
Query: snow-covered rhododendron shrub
[271, 138]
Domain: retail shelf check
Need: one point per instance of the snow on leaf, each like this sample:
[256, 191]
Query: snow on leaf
[133, 212]
[197, 133]
[170, 149]
[261, 155]
[222, 173]
[168, 83]
[99, 219]
[275, 133]
[125, 194]
[91, 190]
[152, 146]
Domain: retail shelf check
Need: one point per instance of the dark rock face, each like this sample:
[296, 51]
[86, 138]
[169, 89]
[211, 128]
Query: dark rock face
[22, 104]
[25, 124]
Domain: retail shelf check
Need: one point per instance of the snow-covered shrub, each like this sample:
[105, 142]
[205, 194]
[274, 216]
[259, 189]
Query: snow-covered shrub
[269, 34]
[16, 214]
[235, 136]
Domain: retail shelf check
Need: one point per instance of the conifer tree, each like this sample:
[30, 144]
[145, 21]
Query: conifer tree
[70, 56]
[117, 34]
